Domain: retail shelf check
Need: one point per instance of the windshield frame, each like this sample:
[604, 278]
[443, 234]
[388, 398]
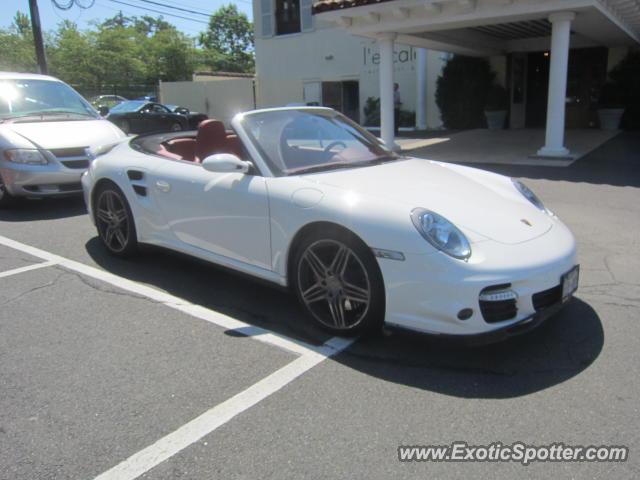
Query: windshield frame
[10, 88]
[369, 144]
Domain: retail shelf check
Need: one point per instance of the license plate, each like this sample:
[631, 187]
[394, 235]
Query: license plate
[570, 282]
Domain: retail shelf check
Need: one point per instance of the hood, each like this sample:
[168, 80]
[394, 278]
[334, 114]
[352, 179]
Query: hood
[474, 200]
[65, 134]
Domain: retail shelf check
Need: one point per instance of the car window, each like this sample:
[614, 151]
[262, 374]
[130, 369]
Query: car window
[23, 97]
[156, 108]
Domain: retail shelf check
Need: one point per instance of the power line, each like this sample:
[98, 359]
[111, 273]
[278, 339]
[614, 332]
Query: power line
[175, 8]
[160, 12]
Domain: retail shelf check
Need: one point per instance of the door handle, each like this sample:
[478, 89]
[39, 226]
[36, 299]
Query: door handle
[163, 186]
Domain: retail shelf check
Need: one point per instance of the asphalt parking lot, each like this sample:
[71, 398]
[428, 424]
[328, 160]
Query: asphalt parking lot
[164, 367]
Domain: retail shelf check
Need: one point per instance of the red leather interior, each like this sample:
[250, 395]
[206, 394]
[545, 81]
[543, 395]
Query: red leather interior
[210, 139]
[185, 147]
[234, 145]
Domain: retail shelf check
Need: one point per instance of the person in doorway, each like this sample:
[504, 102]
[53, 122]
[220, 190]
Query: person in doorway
[396, 108]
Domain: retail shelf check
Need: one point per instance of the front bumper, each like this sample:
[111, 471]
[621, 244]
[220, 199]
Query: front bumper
[48, 180]
[427, 293]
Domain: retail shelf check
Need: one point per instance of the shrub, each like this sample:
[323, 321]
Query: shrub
[461, 92]
[626, 77]
[372, 112]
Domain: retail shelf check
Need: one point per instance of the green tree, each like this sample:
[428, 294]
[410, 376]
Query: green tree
[228, 43]
[17, 52]
[72, 55]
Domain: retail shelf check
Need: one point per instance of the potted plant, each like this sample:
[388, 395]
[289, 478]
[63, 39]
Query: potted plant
[495, 110]
[610, 106]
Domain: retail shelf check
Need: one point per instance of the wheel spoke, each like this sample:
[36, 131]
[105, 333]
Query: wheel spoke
[314, 293]
[340, 261]
[108, 236]
[104, 215]
[336, 308]
[120, 236]
[355, 293]
[120, 215]
[315, 264]
[110, 203]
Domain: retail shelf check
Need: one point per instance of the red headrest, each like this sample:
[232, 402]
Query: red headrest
[211, 136]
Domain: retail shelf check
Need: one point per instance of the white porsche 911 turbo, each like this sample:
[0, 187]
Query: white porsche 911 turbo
[303, 197]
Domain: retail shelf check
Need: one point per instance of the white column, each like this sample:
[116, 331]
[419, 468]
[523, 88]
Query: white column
[386, 89]
[560, 33]
[421, 97]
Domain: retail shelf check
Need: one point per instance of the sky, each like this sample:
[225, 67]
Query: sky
[50, 16]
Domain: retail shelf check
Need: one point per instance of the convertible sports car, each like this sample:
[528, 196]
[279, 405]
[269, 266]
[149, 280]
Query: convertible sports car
[304, 197]
[141, 116]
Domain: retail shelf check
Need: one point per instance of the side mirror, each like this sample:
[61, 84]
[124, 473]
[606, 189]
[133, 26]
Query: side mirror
[103, 110]
[225, 163]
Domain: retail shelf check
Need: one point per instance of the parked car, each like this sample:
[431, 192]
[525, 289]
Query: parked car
[140, 116]
[193, 118]
[46, 129]
[101, 101]
[304, 197]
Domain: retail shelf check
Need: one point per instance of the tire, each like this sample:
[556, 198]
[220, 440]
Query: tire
[6, 199]
[338, 282]
[114, 221]
[176, 127]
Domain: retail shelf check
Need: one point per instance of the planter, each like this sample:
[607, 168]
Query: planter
[610, 118]
[495, 119]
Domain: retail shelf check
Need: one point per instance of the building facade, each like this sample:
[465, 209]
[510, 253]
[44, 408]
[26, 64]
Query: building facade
[302, 61]
[553, 56]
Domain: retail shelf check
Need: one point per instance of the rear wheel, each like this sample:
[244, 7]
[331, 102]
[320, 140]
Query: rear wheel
[114, 221]
[176, 127]
[338, 282]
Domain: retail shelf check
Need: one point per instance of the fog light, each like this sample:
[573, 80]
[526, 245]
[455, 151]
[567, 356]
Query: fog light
[465, 314]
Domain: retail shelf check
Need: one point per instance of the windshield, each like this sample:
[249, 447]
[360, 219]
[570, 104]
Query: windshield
[308, 140]
[129, 106]
[25, 97]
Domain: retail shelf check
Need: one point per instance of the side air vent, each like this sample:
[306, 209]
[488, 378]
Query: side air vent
[135, 174]
[140, 190]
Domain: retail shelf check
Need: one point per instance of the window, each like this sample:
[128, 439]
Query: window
[287, 16]
[282, 17]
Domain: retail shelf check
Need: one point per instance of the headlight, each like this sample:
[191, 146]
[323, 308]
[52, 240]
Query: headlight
[441, 233]
[27, 156]
[529, 195]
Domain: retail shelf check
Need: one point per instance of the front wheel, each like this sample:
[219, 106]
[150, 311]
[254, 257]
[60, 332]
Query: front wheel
[114, 221]
[176, 127]
[6, 199]
[338, 282]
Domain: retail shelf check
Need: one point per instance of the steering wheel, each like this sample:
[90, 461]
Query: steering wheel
[327, 150]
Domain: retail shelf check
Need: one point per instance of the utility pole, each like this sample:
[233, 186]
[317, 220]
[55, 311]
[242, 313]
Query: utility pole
[37, 37]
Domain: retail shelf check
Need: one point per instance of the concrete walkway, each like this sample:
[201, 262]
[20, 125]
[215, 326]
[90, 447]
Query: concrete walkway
[509, 147]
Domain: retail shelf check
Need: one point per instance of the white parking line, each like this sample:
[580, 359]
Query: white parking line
[28, 268]
[191, 432]
[177, 303]
[214, 418]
